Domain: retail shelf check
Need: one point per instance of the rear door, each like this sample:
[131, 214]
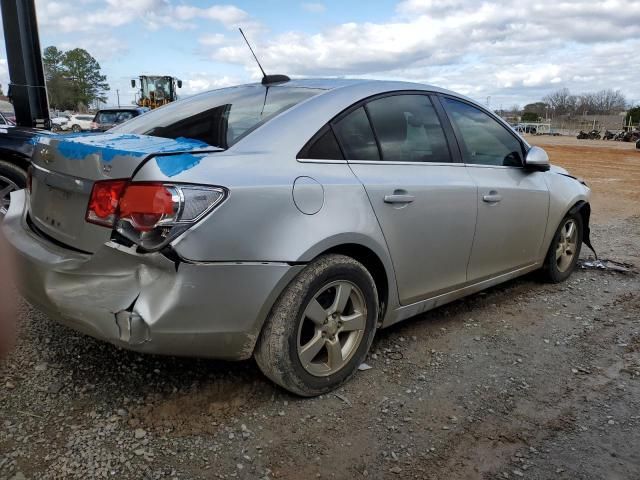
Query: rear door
[512, 202]
[424, 201]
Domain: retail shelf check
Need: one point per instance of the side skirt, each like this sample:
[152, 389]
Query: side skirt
[402, 313]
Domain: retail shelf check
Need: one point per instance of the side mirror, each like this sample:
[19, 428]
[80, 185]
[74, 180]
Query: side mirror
[537, 159]
[133, 84]
[179, 83]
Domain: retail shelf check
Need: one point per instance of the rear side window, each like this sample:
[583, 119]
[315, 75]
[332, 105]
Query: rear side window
[325, 147]
[220, 117]
[356, 137]
[408, 129]
[482, 139]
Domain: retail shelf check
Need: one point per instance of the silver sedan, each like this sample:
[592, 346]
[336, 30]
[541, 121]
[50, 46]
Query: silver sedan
[287, 222]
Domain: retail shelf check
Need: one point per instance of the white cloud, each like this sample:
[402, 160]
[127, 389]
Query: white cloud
[153, 14]
[201, 82]
[228, 15]
[212, 39]
[477, 47]
[489, 47]
[314, 7]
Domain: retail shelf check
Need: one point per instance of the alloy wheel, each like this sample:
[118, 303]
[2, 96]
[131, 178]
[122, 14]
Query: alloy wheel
[332, 328]
[567, 243]
[6, 187]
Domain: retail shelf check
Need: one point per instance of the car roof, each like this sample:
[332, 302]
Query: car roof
[292, 128]
[336, 83]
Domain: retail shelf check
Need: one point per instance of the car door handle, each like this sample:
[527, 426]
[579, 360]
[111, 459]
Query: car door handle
[492, 197]
[398, 198]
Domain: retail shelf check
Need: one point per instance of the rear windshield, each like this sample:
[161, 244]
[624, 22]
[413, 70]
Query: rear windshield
[221, 117]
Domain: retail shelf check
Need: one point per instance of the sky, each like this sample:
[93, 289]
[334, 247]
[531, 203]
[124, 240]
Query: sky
[499, 52]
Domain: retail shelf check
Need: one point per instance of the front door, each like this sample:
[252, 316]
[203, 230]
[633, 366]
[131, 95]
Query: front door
[513, 203]
[425, 203]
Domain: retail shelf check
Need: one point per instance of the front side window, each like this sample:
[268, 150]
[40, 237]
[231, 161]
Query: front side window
[482, 139]
[356, 137]
[221, 117]
[408, 129]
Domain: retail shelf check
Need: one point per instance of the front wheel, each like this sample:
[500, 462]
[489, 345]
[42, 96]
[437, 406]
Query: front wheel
[321, 327]
[564, 251]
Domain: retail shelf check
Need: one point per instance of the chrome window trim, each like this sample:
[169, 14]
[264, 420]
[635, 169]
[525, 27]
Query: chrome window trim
[481, 165]
[389, 162]
[315, 160]
[385, 162]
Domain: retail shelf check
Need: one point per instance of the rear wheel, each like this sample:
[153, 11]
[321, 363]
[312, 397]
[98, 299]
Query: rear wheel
[11, 178]
[321, 327]
[565, 249]
[76, 129]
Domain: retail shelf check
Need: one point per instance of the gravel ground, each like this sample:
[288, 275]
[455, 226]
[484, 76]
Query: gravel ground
[525, 380]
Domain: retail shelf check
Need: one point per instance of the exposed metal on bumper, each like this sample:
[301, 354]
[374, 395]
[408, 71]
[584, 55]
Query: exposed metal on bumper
[141, 301]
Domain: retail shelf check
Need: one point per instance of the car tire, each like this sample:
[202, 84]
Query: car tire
[309, 351]
[76, 129]
[558, 266]
[12, 177]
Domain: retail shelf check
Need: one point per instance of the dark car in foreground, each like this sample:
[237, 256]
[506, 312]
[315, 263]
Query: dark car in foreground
[110, 117]
[16, 147]
[288, 222]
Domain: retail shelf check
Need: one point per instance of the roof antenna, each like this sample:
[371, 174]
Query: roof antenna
[266, 79]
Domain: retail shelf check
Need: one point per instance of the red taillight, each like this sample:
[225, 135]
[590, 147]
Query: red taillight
[94, 125]
[103, 205]
[150, 214]
[145, 205]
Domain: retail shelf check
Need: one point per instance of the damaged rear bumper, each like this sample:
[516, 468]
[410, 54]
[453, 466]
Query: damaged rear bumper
[145, 302]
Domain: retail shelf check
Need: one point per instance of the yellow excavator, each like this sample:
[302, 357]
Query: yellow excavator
[156, 90]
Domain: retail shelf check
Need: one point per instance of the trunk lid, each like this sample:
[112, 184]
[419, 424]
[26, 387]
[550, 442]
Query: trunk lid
[67, 166]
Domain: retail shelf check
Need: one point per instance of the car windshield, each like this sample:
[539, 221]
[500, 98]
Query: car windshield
[221, 117]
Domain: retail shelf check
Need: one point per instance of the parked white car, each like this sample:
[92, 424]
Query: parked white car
[79, 122]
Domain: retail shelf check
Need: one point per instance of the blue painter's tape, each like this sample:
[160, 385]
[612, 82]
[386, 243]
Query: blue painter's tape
[172, 165]
[110, 145]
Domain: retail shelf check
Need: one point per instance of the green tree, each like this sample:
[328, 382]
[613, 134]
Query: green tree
[84, 72]
[52, 61]
[73, 78]
[539, 108]
[530, 117]
[634, 114]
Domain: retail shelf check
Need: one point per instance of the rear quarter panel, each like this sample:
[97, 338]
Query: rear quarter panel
[259, 221]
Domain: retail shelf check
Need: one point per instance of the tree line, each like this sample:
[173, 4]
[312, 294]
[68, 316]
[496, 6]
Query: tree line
[73, 78]
[563, 103]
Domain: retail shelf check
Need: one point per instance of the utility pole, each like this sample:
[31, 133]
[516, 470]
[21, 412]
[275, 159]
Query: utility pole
[24, 60]
[118, 95]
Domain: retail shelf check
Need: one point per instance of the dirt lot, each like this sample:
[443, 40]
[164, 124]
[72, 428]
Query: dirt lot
[526, 380]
